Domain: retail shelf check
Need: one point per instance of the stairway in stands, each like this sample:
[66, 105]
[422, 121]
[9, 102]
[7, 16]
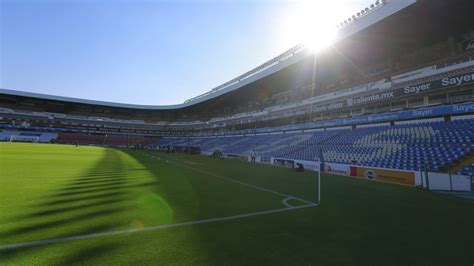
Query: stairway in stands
[302, 147]
[322, 142]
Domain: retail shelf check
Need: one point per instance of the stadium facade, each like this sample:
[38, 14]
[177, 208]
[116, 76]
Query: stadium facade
[395, 91]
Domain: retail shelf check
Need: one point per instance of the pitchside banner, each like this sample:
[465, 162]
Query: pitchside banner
[284, 162]
[308, 165]
[244, 158]
[384, 175]
[338, 169]
[377, 174]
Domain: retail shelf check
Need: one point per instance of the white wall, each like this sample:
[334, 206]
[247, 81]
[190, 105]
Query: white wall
[441, 181]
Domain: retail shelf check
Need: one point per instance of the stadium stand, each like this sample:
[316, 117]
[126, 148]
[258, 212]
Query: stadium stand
[450, 66]
[433, 145]
[468, 170]
[27, 136]
[410, 147]
[102, 139]
[307, 106]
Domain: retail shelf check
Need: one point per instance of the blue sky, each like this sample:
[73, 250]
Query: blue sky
[148, 52]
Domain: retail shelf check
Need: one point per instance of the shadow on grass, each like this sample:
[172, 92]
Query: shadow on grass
[89, 253]
[87, 204]
[67, 192]
[80, 198]
[77, 187]
[92, 202]
[65, 209]
[60, 222]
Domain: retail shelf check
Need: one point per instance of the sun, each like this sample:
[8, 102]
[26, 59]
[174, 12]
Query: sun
[312, 23]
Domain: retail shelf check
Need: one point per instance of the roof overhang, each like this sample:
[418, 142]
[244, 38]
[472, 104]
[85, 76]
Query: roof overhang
[357, 25]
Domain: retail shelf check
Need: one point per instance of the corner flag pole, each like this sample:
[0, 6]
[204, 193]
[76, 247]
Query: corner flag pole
[313, 84]
[319, 172]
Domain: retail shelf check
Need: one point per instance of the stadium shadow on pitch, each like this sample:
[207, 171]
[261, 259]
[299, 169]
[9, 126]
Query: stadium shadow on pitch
[95, 183]
[59, 222]
[58, 214]
[79, 198]
[74, 208]
[101, 192]
[120, 187]
[81, 187]
[89, 253]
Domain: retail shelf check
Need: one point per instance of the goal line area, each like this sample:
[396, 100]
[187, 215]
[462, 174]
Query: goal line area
[288, 203]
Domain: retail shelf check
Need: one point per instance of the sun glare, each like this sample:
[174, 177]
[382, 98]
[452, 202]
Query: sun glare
[312, 23]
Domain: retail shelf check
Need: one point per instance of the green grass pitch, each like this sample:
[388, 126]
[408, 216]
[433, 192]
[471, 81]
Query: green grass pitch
[57, 192]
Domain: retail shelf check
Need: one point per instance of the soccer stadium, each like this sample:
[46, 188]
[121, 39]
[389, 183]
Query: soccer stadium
[360, 152]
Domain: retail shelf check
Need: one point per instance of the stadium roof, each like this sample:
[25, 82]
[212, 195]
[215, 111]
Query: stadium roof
[353, 25]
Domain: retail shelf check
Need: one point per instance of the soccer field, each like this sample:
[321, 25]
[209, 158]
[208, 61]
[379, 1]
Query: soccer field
[88, 205]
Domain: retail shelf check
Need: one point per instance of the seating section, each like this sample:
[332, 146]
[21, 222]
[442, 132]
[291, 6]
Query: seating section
[434, 145]
[415, 146]
[18, 135]
[103, 139]
[277, 145]
[468, 170]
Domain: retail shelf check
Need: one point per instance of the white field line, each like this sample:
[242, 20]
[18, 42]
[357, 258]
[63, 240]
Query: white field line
[285, 202]
[231, 180]
[189, 162]
[151, 228]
